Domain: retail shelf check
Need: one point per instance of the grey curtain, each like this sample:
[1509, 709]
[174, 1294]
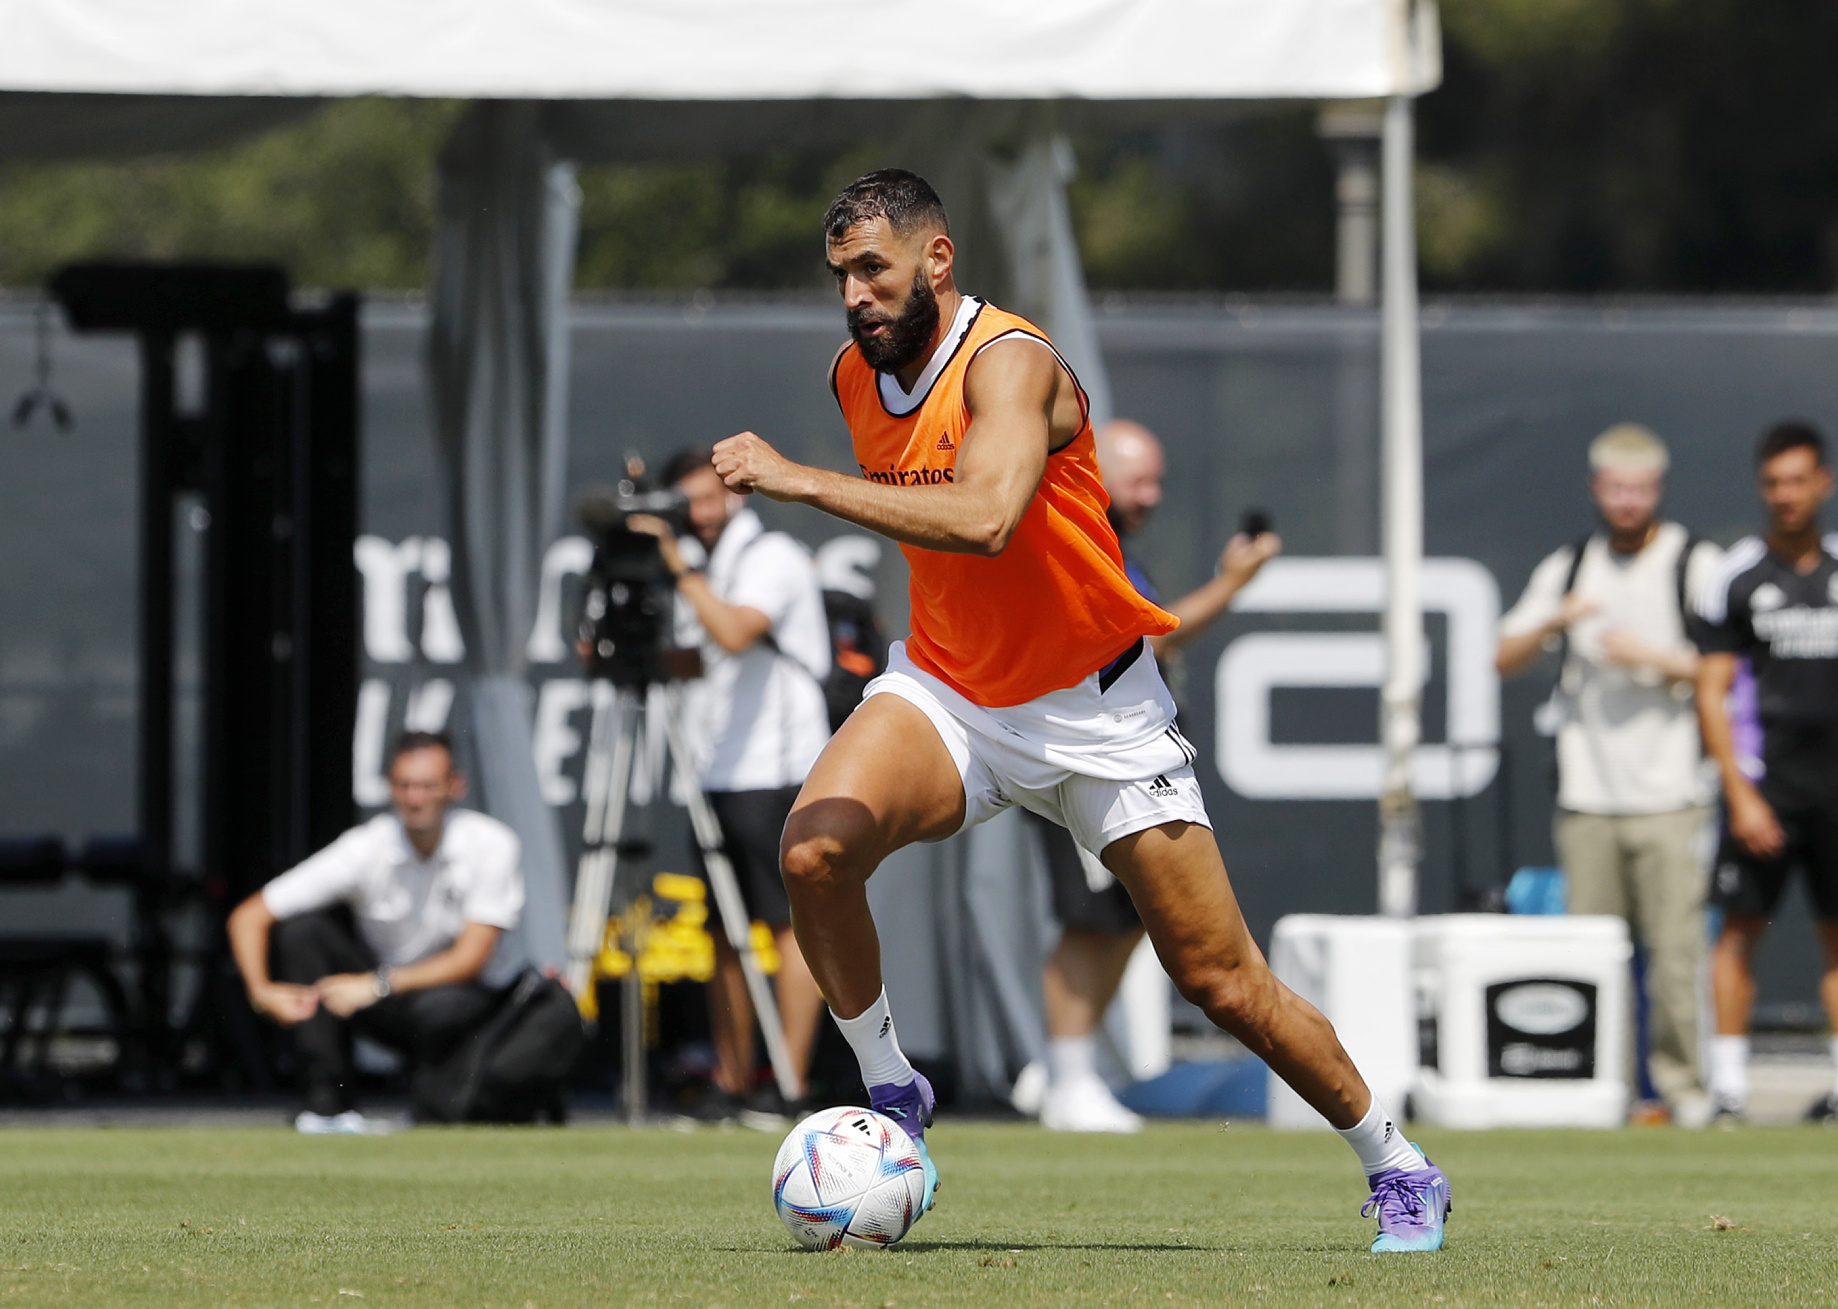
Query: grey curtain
[1010, 929]
[1046, 282]
[507, 212]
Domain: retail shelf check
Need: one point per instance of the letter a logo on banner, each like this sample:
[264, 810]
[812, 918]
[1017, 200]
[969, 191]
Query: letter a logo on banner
[1257, 664]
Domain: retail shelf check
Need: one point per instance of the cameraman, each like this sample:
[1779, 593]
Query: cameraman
[757, 722]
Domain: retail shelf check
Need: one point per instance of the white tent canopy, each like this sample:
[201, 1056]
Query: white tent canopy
[723, 49]
[986, 85]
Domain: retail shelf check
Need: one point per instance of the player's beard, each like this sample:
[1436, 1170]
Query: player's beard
[907, 335]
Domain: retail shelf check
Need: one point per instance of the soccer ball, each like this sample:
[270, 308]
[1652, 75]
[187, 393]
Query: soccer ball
[848, 1177]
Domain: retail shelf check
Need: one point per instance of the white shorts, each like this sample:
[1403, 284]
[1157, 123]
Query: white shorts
[1100, 762]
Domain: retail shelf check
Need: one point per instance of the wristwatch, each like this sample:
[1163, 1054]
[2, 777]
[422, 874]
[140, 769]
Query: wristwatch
[379, 983]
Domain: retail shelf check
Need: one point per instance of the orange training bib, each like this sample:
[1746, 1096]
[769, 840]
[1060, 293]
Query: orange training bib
[1052, 608]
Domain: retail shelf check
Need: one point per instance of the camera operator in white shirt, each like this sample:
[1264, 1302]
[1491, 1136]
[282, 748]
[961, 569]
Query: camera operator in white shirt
[757, 722]
[431, 890]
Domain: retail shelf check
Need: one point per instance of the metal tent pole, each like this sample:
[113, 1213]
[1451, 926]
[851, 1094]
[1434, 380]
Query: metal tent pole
[1402, 514]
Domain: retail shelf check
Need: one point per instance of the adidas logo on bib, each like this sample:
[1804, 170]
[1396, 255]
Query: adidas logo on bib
[944, 442]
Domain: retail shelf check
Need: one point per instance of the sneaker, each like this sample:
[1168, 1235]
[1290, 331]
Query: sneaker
[911, 1106]
[1086, 1105]
[1650, 1113]
[1412, 1205]
[767, 1110]
[1823, 1110]
[1726, 1112]
[1692, 1111]
[712, 1104]
[1030, 1091]
[349, 1123]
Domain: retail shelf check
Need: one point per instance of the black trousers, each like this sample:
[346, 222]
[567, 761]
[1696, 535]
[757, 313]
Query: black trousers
[424, 1025]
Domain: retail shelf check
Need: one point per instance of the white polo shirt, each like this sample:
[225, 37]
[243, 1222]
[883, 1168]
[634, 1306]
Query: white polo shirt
[408, 908]
[757, 720]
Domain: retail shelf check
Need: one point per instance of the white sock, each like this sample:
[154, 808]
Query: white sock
[1729, 1069]
[877, 1046]
[1071, 1059]
[1380, 1143]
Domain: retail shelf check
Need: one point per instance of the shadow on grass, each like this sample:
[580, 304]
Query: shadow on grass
[1000, 1247]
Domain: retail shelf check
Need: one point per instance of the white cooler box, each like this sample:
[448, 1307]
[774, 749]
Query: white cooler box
[1357, 971]
[1521, 1020]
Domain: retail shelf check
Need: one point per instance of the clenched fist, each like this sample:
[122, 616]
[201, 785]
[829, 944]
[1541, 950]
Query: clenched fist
[746, 463]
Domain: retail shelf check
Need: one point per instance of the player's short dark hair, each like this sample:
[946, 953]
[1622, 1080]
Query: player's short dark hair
[409, 742]
[906, 200]
[1793, 434]
[686, 461]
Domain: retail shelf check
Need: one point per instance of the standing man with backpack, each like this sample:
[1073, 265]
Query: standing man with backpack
[1632, 794]
[757, 721]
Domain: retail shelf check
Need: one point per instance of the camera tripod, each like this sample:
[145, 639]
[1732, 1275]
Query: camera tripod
[606, 786]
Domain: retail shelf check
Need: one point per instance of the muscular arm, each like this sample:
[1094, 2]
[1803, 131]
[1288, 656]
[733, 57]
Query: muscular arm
[1242, 559]
[462, 961]
[1752, 820]
[346, 993]
[732, 627]
[1716, 672]
[1520, 652]
[248, 929]
[1677, 665]
[1010, 389]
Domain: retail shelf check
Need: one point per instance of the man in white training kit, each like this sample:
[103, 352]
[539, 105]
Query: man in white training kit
[1027, 678]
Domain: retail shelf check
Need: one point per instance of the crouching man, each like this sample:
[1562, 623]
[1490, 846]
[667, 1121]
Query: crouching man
[430, 890]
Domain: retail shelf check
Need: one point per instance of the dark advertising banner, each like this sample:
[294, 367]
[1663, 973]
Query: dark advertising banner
[1259, 406]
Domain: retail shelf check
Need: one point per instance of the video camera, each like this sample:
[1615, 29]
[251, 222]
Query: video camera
[625, 614]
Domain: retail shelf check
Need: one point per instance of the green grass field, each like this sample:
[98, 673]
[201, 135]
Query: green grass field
[1195, 1214]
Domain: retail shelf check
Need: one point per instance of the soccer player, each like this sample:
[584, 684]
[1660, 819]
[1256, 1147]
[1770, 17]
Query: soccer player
[1775, 601]
[1027, 678]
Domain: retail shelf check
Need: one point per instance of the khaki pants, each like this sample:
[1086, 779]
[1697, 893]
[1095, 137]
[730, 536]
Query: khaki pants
[1645, 868]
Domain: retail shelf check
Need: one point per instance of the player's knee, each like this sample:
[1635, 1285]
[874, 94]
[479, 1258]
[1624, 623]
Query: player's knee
[1741, 934]
[813, 856]
[1235, 998]
[805, 862]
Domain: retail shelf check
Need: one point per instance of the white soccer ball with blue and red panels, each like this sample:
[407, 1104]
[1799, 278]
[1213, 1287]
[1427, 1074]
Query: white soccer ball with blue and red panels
[848, 1177]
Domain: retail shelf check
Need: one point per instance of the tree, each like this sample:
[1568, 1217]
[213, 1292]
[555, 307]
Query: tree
[1632, 145]
[345, 198]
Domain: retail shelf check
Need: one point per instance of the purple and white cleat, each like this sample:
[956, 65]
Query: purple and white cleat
[1412, 1205]
[911, 1105]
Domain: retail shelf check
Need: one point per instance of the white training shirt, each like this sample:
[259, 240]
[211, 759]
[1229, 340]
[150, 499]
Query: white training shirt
[1628, 743]
[757, 720]
[408, 908]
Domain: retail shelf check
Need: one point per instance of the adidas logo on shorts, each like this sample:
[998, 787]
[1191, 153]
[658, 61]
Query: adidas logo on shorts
[1162, 787]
